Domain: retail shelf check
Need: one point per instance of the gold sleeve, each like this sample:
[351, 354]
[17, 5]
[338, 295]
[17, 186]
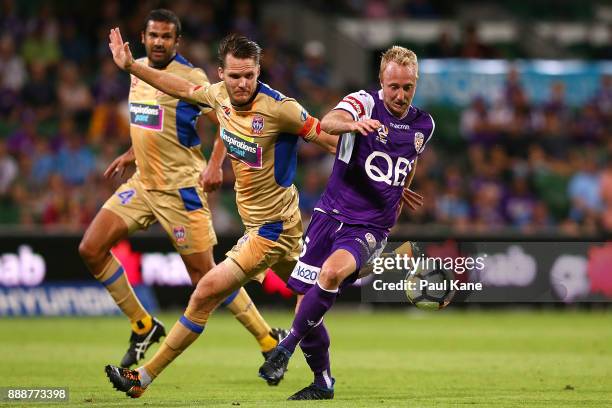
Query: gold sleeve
[198, 77]
[296, 120]
[204, 95]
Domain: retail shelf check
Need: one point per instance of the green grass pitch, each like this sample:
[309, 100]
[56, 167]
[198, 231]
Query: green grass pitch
[387, 359]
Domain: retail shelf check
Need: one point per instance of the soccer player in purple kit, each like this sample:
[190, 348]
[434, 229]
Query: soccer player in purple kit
[381, 137]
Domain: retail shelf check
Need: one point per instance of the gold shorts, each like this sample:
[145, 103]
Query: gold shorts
[183, 213]
[273, 245]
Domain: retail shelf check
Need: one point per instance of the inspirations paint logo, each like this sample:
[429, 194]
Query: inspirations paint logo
[147, 115]
[242, 148]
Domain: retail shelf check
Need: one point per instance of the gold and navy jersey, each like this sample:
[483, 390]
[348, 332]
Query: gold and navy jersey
[162, 128]
[262, 143]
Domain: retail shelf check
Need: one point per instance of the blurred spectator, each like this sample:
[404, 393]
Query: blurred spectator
[12, 68]
[73, 47]
[377, 9]
[12, 77]
[603, 97]
[444, 47]
[41, 46]
[550, 181]
[10, 21]
[486, 211]
[199, 54]
[501, 115]
[8, 169]
[583, 188]
[541, 218]
[278, 65]
[588, 128]
[54, 201]
[519, 204]
[73, 94]
[109, 122]
[556, 102]
[275, 38]
[313, 73]
[472, 47]
[203, 23]
[476, 125]
[109, 13]
[451, 206]
[422, 9]
[554, 132]
[243, 19]
[39, 92]
[13, 207]
[44, 163]
[513, 89]
[310, 192]
[110, 84]
[276, 69]
[605, 191]
[21, 141]
[75, 160]
[106, 154]
[25, 177]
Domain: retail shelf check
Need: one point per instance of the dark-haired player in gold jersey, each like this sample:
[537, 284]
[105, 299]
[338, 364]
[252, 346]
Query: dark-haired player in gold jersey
[164, 189]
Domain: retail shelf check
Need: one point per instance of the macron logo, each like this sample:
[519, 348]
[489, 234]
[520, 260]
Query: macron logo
[400, 126]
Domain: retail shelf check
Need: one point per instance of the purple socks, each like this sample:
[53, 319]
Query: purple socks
[316, 351]
[315, 304]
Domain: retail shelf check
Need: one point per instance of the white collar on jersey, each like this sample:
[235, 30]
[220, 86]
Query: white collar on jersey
[380, 96]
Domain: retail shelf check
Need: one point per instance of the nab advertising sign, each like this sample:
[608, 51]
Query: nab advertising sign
[44, 276]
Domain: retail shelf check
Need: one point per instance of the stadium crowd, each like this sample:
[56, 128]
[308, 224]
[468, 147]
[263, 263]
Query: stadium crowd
[63, 118]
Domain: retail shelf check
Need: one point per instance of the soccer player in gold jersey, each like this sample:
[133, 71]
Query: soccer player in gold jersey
[164, 189]
[260, 128]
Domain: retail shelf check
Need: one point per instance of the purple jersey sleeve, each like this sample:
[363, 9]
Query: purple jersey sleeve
[358, 104]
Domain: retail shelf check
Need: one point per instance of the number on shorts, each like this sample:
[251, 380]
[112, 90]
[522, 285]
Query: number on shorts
[126, 196]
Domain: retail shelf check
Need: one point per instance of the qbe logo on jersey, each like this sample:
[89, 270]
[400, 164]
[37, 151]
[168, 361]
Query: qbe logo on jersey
[147, 115]
[379, 167]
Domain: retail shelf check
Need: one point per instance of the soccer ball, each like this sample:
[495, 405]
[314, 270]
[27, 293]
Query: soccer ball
[430, 289]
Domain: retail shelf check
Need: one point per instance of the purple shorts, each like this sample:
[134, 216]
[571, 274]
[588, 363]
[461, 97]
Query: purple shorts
[323, 237]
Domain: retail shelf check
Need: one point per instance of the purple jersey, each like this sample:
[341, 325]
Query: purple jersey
[369, 172]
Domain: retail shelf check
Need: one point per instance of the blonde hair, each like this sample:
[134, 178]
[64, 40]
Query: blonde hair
[399, 55]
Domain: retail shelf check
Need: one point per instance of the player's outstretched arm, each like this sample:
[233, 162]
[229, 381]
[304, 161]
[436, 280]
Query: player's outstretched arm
[410, 177]
[327, 142]
[339, 121]
[118, 166]
[170, 84]
[412, 199]
[294, 119]
[211, 177]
